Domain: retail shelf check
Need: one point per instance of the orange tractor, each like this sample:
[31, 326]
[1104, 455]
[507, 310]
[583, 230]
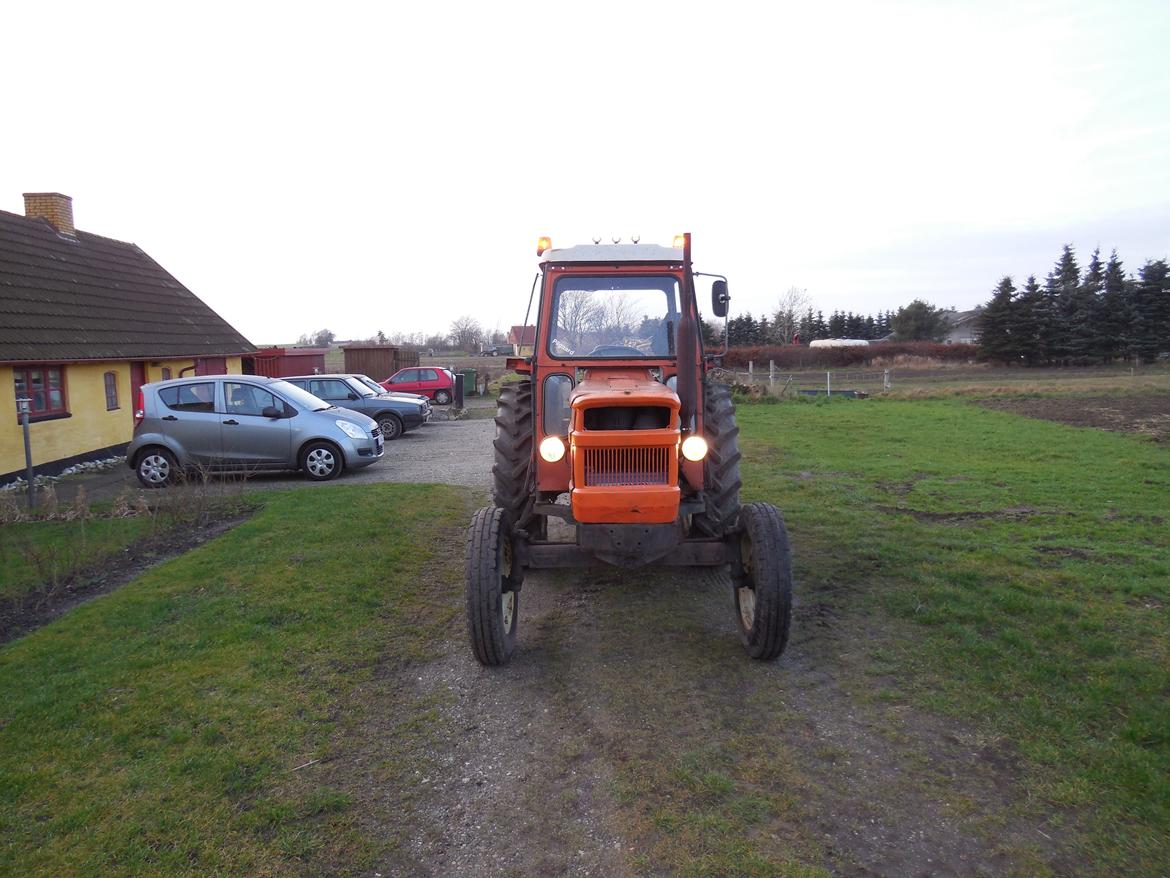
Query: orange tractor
[616, 429]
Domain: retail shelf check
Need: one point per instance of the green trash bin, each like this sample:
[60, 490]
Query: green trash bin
[469, 386]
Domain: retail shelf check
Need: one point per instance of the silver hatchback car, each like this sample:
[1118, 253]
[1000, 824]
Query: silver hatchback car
[244, 423]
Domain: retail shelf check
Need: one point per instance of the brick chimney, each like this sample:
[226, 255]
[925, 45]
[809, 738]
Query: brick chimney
[51, 206]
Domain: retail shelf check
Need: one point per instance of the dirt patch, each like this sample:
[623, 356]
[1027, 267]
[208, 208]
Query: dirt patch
[1144, 415]
[42, 605]
[630, 736]
[1013, 513]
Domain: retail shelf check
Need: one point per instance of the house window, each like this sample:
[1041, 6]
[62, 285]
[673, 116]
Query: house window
[111, 379]
[45, 386]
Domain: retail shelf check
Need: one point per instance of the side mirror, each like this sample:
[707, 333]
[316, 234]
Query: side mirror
[354, 396]
[719, 298]
[270, 411]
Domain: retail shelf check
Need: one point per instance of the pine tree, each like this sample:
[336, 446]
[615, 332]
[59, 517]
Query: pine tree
[996, 333]
[1082, 314]
[763, 331]
[1026, 322]
[807, 327]
[1115, 313]
[870, 329]
[1056, 307]
[837, 325]
[820, 328]
[1150, 323]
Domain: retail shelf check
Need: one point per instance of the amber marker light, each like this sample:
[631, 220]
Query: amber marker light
[552, 448]
[680, 241]
[694, 448]
[542, 245]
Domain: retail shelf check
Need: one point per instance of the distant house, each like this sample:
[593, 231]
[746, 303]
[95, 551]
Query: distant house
[522, 339]
[84, 322]
[965, 327]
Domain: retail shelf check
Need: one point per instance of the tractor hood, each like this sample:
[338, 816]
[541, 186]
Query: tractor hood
[623, 387]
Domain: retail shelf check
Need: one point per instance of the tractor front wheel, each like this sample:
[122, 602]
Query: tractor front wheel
[762, 581]
[493, 586]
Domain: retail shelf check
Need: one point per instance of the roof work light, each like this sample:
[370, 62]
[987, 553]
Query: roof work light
[543, 244]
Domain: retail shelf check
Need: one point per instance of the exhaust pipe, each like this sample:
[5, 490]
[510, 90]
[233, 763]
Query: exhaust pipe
[688, 345]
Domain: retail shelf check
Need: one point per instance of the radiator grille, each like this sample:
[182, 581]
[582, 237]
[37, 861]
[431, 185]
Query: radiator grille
[607, 467]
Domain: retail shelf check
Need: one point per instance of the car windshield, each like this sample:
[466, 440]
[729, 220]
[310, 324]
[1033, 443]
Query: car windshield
[359, 387]
[371, 383]
[300, 398]
[614, 316]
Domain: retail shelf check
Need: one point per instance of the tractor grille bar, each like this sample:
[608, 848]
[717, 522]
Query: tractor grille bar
[609, 467]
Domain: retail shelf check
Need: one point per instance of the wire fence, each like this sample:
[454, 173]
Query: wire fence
[773, 382]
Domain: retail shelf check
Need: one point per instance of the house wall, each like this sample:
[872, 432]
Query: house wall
[89, 427]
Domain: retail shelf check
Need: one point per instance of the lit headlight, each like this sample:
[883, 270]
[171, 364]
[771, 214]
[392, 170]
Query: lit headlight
[552, 448]
[352, 430]
[694, 448]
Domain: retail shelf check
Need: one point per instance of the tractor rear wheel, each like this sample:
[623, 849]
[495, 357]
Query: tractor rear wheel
[493, 589]
[762, 581]
[721, 471]
[513, 447]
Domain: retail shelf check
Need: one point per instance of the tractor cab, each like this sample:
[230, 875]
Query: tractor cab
[615, 430]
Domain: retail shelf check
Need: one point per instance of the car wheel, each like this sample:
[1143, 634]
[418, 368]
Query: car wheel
[390, 426]
[443, 397]
[157, 468]
[322, 461]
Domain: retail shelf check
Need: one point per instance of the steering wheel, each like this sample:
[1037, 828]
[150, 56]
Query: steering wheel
[557, 345]
[615, 350]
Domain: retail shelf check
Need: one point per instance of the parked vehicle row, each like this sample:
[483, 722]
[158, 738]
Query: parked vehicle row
[318, 424]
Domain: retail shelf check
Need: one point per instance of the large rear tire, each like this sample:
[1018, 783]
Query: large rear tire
[513, 447]
[762, 582]
[493, 588]
[721, 471]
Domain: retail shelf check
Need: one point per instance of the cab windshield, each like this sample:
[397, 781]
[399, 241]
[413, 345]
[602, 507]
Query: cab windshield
[614, 317]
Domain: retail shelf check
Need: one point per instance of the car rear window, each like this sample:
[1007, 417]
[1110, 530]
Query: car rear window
[189, 397]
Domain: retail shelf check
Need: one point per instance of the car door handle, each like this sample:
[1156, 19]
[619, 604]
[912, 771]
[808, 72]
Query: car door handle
[233, 422]
[169, 418]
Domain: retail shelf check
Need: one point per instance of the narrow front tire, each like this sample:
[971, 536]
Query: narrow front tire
[493, 587]
[762, 581]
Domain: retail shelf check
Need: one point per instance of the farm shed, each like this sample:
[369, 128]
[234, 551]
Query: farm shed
[279, 362]
[378, 361]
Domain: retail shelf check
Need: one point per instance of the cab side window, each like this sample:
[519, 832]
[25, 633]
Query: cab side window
[189, 397]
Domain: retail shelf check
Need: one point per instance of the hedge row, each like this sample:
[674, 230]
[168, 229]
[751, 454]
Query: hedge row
[796, 356]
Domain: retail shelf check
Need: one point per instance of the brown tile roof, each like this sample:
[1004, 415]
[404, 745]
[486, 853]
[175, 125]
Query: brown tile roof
[522, 335]
[92, 298]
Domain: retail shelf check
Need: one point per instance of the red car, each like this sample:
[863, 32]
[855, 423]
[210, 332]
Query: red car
[438, 384]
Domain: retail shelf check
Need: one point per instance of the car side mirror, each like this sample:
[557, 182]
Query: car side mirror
[354, 396]
[719, 298]
[270, 411]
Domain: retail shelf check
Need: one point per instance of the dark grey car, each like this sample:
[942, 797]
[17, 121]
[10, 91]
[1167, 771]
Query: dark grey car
[245, 423]
[394, 413]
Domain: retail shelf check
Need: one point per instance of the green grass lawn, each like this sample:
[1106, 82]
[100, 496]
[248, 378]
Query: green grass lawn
[155, 730]
[38, 553]
[1023, 572]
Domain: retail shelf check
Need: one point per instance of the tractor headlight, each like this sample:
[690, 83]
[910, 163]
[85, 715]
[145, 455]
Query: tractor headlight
[694, 448]
[552, 448]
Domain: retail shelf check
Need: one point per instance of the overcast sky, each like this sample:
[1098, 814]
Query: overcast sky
[390, 167]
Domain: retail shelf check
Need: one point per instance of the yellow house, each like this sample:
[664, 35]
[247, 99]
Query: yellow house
[84, 322]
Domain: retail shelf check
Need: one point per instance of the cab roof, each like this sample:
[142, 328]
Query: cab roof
[609, 253]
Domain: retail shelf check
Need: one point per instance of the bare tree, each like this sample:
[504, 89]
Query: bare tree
[616, 316]
[578, 312]
[466, 333]
[786, 318]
